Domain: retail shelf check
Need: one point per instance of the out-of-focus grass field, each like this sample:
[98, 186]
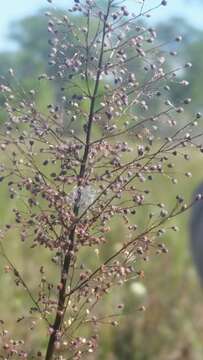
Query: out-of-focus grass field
[171, 327]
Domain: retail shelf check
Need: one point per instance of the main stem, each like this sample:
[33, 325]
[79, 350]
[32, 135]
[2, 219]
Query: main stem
[67, 260]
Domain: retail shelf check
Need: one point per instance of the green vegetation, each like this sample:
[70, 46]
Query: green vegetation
[163, 312]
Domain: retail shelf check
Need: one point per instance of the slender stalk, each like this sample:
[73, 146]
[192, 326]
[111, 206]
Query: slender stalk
[67, 260]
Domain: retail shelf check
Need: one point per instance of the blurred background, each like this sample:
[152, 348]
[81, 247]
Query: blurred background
[171, 328]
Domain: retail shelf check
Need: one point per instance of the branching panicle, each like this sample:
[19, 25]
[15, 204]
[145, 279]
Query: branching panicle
[91, 158]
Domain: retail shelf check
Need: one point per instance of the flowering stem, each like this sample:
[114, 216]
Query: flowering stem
[67, 260]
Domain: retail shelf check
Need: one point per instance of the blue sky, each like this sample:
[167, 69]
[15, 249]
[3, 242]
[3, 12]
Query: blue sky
[12, 10]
